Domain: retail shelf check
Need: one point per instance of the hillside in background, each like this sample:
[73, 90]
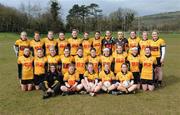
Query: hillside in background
[163, 21]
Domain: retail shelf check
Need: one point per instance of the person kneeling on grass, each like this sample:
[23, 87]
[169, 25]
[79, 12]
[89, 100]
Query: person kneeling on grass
[25, 70]
[126, 82]
[71, 79]
[51, 84]
[90, 81]
[108, 79]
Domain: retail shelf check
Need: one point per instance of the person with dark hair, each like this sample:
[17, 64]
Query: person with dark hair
[52, 82]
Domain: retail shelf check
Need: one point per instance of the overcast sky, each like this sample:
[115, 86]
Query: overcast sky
[142, 7]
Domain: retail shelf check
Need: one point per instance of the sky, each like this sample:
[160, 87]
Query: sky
[142, 7]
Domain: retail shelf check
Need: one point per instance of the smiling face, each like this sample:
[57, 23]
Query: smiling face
[66, 52]
[97, 35]
[23, 35]
[147, 51]
[40, 53]
[80, 52]
[124, 68]
[106, 52]
[135, 51]
[86, 35]
[52, 51]
[93, 53]
[145, 35]
[74, 33]
[26, 52]
[61, 36]
[50, 35]
[120, 35]
[108, 34]
[37, 36]
[90, 68]
[133, 34]
[52, 68]
[71, 69]
[119, 49]
[154, 35]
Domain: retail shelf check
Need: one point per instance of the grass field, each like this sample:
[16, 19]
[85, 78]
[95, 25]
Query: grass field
[164, 101]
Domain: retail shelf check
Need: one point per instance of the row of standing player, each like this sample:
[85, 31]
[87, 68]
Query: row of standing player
[132, 54]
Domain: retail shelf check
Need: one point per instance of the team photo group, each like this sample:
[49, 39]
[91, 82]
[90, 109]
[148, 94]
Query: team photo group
[90, 65]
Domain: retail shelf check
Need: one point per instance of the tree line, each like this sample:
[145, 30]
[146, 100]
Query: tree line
[82, 17]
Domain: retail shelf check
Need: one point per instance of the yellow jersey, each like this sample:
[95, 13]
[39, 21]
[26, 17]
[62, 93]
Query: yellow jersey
[74, 43]
[49, 43]
[133, 43]
[36, 45]
[80, 64]
[65, 63]
[147, 67]
[71, 79]
[86, 46]
[143, 44]
[27, 67]
[39, 65]
[97, 43]
[106, 76]
[124, 77]
[22, 44]
[106, 60]
[119, 59]
[134, 62]
[95, 61]
[91, 77]
[61, 46]
[156, 47]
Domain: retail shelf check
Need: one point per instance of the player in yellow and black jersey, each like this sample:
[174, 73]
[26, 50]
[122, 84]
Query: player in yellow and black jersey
[143, 43]
[126, 80]
[158, 46]
[97, 42]
[61, 43]
[119, 57]
[21, 44]
[71, 80]
[54, 59]
[25, 70]
[148, 63]
[86, 44]
[49, 42]
[66, 59]
[40, 68]
[108, 80]
[133, 60]
[90, 81]
[133, 41]
[106, 58]
[80, 62]
[36, 44]
[93, 58]
[74, 42]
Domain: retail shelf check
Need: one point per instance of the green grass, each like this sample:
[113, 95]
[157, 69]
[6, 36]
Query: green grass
[164, 101]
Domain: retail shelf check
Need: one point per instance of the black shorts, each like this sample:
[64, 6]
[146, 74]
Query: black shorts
[25, 82]
[158, 61]
[149, 82]
[136, 76]
[38, 79]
